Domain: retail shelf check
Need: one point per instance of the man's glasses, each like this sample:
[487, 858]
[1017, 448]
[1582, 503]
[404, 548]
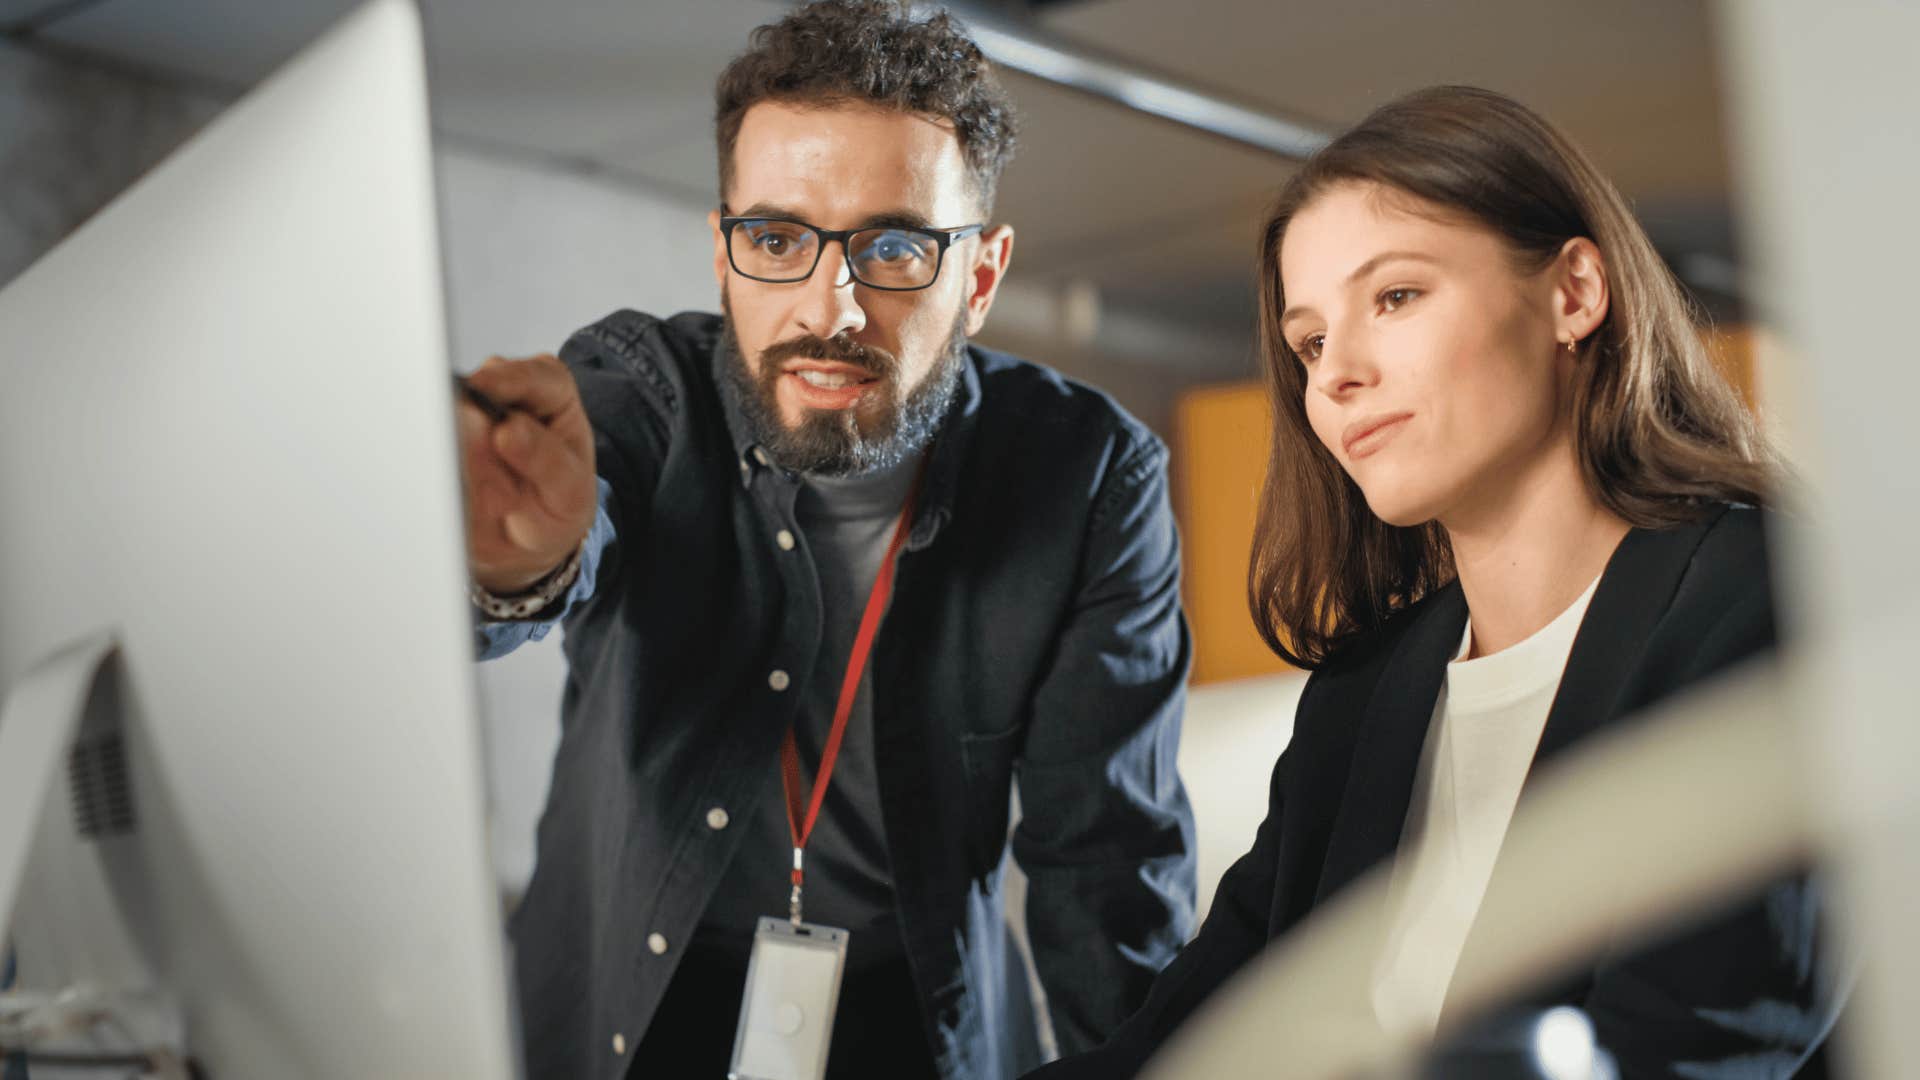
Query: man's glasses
[894, 257]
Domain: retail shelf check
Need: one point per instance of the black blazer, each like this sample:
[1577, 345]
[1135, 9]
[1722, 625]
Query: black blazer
[1737, 995]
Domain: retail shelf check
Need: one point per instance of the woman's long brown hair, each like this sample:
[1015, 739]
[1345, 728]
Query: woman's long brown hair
[1659, 432]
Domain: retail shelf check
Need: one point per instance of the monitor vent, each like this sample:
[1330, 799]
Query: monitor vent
[102, 791]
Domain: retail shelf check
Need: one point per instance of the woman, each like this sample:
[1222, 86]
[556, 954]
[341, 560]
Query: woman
[1510, 502]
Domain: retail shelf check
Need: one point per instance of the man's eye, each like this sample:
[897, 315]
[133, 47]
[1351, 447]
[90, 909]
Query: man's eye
[894, 247]
[775, 240]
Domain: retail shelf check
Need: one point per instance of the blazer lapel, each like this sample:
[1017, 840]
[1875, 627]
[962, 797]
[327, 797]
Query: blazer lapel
[1386, 755]
[1634, 593]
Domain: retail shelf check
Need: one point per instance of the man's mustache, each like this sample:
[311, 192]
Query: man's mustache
[840, 349]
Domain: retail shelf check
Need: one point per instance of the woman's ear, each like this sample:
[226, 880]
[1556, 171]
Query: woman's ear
[1580, 294]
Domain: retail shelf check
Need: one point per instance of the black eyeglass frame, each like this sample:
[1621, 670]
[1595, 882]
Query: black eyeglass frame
[945, 238]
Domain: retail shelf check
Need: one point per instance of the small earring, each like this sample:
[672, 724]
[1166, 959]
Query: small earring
[1572, 342]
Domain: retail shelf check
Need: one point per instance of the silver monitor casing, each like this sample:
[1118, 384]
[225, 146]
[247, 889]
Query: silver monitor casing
[227, 447]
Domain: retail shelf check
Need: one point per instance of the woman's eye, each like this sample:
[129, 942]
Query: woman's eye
[1394, 298]
[1308, 348]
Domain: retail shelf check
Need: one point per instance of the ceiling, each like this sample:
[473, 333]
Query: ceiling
[1158, 217]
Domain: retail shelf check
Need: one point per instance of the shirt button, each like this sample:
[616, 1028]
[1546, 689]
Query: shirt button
[619, 1043]
[778, 680]
[717, 819]
[784, 539]
[760, 456]
[656, 944]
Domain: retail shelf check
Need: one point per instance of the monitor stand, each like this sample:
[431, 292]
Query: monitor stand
[66, 709]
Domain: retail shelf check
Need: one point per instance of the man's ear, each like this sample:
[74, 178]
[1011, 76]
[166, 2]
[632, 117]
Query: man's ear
[985, 271]
[719, 249]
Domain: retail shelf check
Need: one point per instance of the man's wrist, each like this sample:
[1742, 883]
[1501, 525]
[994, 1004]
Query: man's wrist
[535, 598]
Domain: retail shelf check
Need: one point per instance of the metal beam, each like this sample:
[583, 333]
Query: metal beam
[23, 23]
[1020, 44]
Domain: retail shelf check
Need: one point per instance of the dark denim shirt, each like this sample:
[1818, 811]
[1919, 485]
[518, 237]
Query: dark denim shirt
[1035, 629]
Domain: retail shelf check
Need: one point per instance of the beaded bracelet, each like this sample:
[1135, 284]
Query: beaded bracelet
[534, 600]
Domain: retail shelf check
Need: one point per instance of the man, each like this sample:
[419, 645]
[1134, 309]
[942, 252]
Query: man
[714, 506]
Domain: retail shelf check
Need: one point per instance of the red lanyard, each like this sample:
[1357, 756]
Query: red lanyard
[849, 688]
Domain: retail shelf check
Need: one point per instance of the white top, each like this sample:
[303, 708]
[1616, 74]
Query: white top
[1486, 726]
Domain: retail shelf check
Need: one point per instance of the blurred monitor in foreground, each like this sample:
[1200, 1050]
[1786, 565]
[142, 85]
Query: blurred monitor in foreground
[230, 538]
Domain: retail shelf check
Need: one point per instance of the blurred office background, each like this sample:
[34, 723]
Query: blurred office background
[577, 165]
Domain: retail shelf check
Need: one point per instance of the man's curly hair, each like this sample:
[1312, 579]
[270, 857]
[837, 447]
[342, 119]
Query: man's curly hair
[874, 52]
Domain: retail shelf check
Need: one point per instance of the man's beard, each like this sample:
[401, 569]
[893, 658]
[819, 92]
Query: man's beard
[880, 433]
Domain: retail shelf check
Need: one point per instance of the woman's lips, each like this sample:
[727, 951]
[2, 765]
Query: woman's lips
[1364, 437]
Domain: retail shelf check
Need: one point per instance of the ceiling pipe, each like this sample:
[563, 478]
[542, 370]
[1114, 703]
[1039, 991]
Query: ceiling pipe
[1024, 46]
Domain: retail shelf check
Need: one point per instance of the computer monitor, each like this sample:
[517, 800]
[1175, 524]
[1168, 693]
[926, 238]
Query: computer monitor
[230, 521]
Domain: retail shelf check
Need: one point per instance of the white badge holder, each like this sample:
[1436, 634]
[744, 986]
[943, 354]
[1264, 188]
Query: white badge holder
[786, 1014]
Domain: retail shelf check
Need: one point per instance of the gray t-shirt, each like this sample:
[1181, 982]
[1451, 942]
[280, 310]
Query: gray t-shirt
[846, 525]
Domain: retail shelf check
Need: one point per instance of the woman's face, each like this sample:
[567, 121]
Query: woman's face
[1433, 370]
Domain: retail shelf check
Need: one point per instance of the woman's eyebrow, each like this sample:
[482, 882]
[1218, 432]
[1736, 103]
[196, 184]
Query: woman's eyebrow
[1374, 263]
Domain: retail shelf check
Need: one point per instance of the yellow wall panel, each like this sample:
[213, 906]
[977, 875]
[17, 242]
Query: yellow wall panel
[1220, 461]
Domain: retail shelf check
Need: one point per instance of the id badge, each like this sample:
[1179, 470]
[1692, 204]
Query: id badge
[786, 1014]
